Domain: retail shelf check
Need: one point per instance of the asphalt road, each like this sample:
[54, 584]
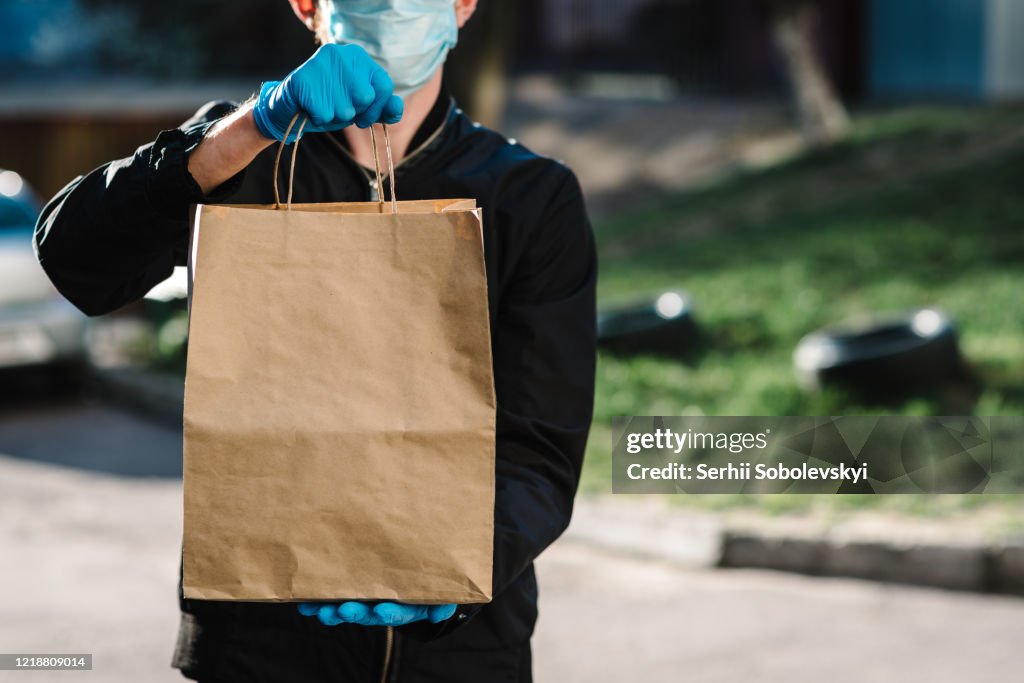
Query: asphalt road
[89, 533]
[607, 618]
[93, 437]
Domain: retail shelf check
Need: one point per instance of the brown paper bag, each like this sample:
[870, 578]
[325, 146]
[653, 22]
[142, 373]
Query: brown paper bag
[339, 404]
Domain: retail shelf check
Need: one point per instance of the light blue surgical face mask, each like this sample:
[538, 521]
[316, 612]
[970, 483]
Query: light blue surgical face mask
[408, 38]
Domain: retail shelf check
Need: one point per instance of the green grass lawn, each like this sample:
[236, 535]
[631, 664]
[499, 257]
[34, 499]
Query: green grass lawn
[920, 207]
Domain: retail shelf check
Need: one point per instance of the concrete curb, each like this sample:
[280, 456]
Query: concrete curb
[706, 540]
[977, 568]
[650, 529]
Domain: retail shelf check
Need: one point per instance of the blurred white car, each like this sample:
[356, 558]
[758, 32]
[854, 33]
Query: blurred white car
[38, 327]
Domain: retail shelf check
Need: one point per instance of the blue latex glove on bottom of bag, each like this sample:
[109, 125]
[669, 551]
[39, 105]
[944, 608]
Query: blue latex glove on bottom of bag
[381, 614]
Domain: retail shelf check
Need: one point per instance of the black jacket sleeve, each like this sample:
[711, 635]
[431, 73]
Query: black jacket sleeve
[108, 237]
[544, 345]
[544, 356]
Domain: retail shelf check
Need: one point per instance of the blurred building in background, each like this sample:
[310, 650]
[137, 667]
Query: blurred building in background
[959, 48]
[969, 49]
[87, 80]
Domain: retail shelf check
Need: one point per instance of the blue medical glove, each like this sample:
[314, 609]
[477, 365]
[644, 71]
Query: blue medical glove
[381, 614]
[336, 87]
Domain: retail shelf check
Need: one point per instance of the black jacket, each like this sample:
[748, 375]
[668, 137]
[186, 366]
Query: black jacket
[111, 235]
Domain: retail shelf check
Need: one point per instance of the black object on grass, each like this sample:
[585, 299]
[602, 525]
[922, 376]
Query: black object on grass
[884, 358]
[663, 324]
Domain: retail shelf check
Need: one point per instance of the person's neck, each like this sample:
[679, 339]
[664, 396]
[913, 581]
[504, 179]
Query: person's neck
[417, 107]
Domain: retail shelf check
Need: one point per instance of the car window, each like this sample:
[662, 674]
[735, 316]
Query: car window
[15, 214]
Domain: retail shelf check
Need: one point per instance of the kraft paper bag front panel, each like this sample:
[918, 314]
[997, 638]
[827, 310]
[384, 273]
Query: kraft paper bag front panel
[339, 406]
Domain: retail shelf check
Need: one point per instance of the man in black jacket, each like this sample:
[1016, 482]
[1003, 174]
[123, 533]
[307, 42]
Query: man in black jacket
[110, 236]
